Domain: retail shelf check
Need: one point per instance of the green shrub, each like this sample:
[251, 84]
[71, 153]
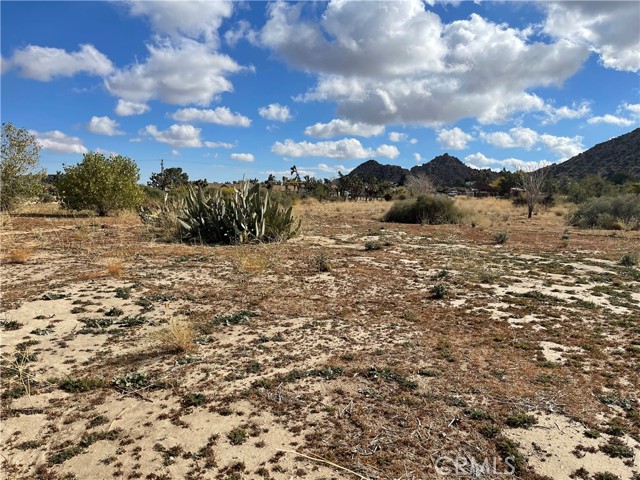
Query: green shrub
[425, 209]
[629, 260]
[20, 175]
[609, 213]
[501, 237]
[246, 216]
[102, 184]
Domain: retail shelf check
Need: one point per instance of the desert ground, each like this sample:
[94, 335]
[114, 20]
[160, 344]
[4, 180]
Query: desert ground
[358, 349]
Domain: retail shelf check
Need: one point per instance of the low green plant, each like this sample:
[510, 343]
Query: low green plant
[75, 385]
[372, 245]
[425, 209]
[616, 448]
[237, 436]
[610, 213]
[439, 291]
[246, 216]
[629, 259]
[521, 420]
[501, 238]
[321, 262]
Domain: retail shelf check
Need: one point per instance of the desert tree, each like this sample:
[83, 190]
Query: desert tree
[532, 180]
[419, 184]
[168, 178]
[20, 175]
[102, 184]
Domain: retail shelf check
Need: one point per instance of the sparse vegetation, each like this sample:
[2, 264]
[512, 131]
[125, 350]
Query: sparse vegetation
[247, 216]
[101, 184]
[610, 213]
[430, 210]
[177, 337]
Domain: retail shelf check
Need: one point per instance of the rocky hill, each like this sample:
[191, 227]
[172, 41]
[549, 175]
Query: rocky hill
[447, 170]
[373, 169]
[618, 155]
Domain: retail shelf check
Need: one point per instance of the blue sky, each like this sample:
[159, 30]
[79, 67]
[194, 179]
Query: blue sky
[227, 89]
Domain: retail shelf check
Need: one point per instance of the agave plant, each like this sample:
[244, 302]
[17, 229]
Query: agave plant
[244, 217]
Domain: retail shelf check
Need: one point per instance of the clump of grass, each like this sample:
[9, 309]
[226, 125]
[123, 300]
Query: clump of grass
[629, 259]
[115, 269]
[616, 448]
[501, 238]
[607, 476]
[508, 448]
[123, 292]
[9, 325]
[18, 256]
[439, 291]
[194, 399]
[521, 420]
[75, 385]
[177, 337]
[373, 245]
[234, 318]
[321, 262]
[237, 436]
[425, 209]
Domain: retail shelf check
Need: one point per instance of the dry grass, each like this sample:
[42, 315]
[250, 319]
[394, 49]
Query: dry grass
[18, 256]
[177, 337]
[115, 268]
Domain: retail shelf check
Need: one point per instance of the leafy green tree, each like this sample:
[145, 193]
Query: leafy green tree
[102, 184]
[168, 178]
[20, 177]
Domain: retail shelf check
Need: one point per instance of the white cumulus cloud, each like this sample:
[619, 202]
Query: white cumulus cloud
[103, 126]
[242, 157]
[176, 135]
[194, 18]
[611, 119]
[397, 62]
[57, 141]
[127, 109]
[179, 74]
[453, 139]
[44, 63]
[397, 137]
[520, 137]
[275, 112]
[345, 148]
[339, 127]
[218, 145]
[219, 115]
[610, 29]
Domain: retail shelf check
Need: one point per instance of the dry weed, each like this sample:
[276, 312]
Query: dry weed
[18, 255]
[178, 336]
[115, 269]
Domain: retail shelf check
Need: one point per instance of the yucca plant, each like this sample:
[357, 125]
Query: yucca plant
[245, 216]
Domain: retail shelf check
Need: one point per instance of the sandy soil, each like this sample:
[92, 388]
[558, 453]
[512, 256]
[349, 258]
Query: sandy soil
[319, 358]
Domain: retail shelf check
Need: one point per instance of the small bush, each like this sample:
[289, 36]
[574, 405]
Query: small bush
[177, 337]
[18, 256]
[115, 269]
[321, 262]
[629, 260]
[372, 245]
[439, 291]
[501, 237]
[521, 420]
[609, 213]
[425, 209]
